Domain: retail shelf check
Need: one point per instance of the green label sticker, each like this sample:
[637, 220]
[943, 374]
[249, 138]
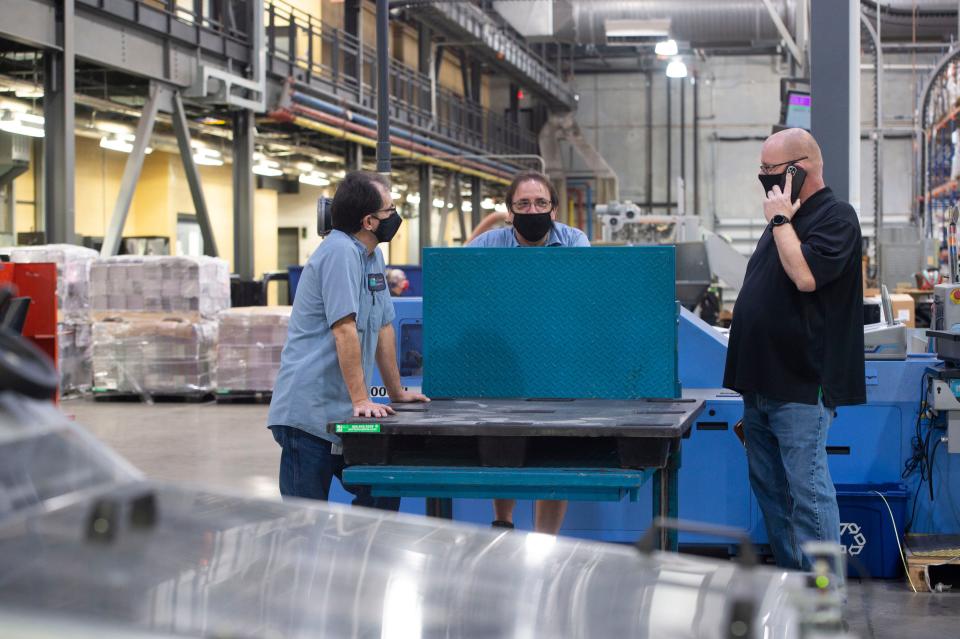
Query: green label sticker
[357, 428]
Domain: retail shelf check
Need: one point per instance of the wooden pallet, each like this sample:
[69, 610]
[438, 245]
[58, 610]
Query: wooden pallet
[929, 568]
[163, 398]
[243, 397]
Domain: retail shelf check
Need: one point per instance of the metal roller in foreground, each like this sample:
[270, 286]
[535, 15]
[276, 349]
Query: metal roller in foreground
[86, 543]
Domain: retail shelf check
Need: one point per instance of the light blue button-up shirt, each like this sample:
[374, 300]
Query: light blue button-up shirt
[560, 235]
[338, 280]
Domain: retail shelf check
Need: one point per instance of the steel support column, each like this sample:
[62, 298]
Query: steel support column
[182, 131]
[131, 172]
[59, 143]
[426, 203]
[835, 93]
[383, 87]
[476, 198]
[351, 24]
[353, 157]
[243, 194]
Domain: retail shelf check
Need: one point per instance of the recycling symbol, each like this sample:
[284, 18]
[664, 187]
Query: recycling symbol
[858, 541]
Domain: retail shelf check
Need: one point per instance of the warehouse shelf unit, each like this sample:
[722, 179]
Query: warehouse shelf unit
[938, 112]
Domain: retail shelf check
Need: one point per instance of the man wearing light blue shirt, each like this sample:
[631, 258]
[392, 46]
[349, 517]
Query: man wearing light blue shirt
[340, 325]
[532, 202]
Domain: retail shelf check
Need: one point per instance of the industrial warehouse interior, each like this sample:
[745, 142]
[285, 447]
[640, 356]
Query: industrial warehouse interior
[480, 318]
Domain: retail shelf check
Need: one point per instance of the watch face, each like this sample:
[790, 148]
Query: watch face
[777, 220]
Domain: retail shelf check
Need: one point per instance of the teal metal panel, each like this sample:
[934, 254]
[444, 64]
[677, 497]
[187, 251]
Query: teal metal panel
[556, 322]
[517, 483]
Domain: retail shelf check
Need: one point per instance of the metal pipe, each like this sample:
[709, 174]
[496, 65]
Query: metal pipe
[669, 137]
[332, 109]
[371, 133]
[333, 131]
[383, 87]
[649, 182]
[696, 146]
[683, 142]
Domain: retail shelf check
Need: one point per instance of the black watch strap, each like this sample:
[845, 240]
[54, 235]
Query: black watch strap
[779, 220]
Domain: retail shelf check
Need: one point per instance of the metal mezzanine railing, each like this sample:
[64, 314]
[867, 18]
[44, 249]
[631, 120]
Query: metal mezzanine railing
[320, 55]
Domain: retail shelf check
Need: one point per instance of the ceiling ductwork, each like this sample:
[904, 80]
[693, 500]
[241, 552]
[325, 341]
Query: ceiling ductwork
[902, 20]
[702, 23]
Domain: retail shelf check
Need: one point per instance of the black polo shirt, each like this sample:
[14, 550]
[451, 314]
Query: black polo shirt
[788, 345]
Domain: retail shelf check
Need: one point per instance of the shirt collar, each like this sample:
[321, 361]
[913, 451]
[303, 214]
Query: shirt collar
[360, 245]
[815, 201]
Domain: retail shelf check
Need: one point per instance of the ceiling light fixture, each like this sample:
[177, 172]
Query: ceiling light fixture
[314, 178]
[206, 157]
[676, 69]
[21, 123]
[666, 48]
[267, 168]
[122, 142]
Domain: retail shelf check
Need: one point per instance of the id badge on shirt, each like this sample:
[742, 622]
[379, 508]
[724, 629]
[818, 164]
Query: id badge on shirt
[376, 282]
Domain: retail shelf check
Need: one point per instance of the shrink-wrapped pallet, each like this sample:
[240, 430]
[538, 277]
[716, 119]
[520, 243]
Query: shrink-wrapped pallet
[75, 348]
[73, 274]
[137, 353]
[160, 284]
[248, 352]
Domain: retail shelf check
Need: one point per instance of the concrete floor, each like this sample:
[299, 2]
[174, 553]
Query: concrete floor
[229, 447]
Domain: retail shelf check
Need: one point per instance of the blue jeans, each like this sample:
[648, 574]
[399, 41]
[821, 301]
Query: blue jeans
[787, 457]
[307, 469]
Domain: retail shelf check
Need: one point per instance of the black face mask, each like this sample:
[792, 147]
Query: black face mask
[388, 227]
[532, 226]
[780, 179]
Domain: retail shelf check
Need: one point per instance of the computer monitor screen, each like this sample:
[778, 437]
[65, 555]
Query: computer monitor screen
[798, 110]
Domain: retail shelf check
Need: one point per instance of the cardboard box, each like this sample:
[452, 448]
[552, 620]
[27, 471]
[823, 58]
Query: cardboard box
[904, 309]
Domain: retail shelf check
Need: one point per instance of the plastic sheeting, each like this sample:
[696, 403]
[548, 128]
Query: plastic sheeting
[155, 283]
[205, 564]
[250, 343]
[139, 354]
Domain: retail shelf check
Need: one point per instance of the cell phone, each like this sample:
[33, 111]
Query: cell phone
[799, 175]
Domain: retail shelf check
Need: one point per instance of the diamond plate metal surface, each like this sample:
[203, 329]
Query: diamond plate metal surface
[556, 322]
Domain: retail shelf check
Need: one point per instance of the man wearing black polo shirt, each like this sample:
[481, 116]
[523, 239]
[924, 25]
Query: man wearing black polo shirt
[796, 344]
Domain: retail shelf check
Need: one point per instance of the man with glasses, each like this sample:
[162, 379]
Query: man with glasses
[340, 325]
[532, 211]
[532, 217]
[796, 344]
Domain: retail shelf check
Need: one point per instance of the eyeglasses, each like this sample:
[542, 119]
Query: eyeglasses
[541, 205]
[767, 169]
[390, 210]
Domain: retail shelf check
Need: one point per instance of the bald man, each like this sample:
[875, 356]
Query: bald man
[796, 344]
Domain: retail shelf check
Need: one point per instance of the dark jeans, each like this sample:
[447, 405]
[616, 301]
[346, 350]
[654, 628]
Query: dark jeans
[307, 468]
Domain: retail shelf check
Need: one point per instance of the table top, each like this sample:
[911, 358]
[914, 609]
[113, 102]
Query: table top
[645, 418]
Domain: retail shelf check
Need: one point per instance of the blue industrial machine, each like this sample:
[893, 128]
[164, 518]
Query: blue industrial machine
[867, 444]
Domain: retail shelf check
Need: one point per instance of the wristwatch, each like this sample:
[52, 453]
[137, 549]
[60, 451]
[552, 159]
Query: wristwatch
[779, 220]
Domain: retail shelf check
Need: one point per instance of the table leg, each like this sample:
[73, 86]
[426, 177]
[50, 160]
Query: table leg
[666, 498]
[440, 507]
